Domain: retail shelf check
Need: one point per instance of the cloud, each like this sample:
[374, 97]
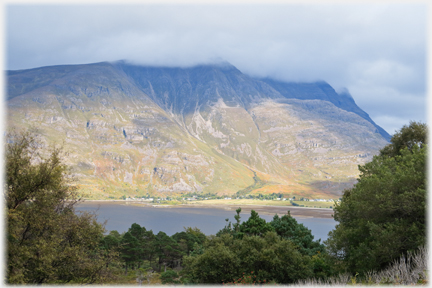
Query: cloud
[393, 123]
[374, 50]
[384, 100]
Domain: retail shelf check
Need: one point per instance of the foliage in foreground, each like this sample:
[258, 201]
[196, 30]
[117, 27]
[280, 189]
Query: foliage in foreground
[410, 270]
[226, 258]
[47, 242]
[280, 251]
[384, 215]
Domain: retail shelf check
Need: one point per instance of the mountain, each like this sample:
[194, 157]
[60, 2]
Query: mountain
[133, 130]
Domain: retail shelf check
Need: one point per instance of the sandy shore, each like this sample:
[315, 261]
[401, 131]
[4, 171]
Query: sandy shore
[303, 212]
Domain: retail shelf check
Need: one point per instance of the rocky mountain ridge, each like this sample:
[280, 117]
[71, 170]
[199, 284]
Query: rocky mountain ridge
[133, 130]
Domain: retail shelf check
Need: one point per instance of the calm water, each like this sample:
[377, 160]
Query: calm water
[120, 216]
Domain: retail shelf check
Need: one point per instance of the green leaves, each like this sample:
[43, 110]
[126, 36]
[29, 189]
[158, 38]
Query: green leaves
[255, 225]
[414, 135]
[277, 251]
[167, 249]
[190, 239]
[169, 277]
[46, 241]
[288, 228]
[226, 258]
[384, 215]
[130, 248]
[27, 181]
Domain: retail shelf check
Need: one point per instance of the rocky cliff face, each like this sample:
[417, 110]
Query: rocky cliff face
[135, 130]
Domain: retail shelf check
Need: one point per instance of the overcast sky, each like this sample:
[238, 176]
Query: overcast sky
[376, 51]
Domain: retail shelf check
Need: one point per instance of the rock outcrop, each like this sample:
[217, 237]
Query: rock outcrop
[133, 130]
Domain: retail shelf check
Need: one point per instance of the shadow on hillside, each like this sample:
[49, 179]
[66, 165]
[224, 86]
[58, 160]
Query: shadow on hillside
[332, 189]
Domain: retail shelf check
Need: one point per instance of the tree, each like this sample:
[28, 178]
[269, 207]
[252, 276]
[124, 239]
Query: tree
[167, 249]
[217, 263]
[111, 242]
[226, 258]
[197, 233]
[130, 250]
[189, 238]
[384, 215]
[47, 242]
[142, 236]
[255, 225]
[414, 135]
[149, 246]
[137, 231]
[287, 227]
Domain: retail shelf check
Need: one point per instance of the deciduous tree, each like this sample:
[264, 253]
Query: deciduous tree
[47, 242]
[384, 215]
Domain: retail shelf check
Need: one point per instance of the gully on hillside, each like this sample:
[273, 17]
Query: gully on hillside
[133, 130]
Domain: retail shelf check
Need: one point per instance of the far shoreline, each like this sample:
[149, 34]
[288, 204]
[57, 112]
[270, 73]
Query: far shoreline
[295, 211]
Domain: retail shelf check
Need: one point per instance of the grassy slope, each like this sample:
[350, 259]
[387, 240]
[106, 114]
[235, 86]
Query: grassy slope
[288, 128]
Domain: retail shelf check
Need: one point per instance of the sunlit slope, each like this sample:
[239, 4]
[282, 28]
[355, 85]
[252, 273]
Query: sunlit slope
[134, 130]
[119, 141]
[319, 144]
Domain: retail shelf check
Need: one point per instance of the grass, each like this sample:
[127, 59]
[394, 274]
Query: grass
[409, 270]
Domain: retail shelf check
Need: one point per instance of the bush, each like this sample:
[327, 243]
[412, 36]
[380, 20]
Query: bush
[169, 277]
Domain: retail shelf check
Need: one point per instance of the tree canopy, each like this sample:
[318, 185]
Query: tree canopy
[287, 227]
[280, 251]
[384, 215]
[413, 135]
[47, 241]
[226, 258]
